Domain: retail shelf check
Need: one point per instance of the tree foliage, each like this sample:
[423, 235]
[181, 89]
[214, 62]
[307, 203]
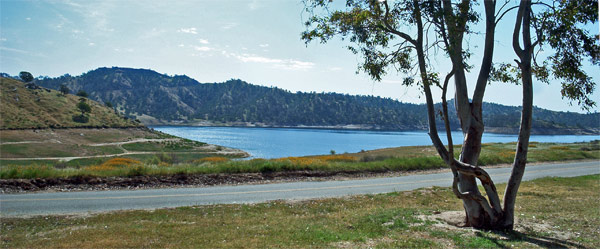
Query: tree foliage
[82, 93]
[64, 89]
[84, 107]
[26, 76]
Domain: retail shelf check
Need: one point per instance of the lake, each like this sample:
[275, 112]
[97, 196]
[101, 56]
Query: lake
[284, 142]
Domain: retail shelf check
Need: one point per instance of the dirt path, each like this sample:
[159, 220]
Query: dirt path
[139, 140]
[54, 141]
[66, 159]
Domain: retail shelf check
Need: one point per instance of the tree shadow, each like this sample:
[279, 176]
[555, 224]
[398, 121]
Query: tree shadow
[516, 236]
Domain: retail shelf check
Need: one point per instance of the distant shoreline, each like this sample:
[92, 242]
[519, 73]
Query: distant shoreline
[497, 130]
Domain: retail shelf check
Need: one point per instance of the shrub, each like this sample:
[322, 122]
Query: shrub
[81, 118]
[121, 162]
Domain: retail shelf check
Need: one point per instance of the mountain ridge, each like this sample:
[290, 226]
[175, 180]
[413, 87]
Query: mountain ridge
[158, 98]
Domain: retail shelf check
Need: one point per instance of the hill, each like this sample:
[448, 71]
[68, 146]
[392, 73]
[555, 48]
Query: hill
[158, 98]
[34, 107]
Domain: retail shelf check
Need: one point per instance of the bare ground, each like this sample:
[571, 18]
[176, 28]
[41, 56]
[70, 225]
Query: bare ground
[454, 221]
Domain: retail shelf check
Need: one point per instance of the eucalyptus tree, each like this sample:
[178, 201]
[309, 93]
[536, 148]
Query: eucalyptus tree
[402, 36]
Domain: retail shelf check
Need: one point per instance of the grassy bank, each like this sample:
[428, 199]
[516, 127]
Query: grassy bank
[175, 159]
[551, 212]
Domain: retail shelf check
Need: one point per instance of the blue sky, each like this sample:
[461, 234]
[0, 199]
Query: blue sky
[213, 41]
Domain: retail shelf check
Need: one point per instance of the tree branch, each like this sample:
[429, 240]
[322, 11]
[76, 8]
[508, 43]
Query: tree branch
[517, 30]
[488, 54]
[505, 12]
[389, 28]
[486, 181]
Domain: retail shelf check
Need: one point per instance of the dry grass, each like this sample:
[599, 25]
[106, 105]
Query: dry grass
[41, 108]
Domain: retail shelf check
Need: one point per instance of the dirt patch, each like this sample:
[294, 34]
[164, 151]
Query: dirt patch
[454, 221]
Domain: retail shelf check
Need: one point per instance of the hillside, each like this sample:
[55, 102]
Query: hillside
[157, 98]
[25, 108]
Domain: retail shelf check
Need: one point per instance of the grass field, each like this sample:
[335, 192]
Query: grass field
[176, 158]
[551, 212]
[94, 147]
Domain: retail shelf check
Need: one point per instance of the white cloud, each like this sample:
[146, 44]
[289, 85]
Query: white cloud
[253, 5]
[203, 48]
[203, 41]
[181, 45]
[188, 30]
[15, 50]
[28, 18]
[154, 32]
[3, 39]
[287, 64]
[91, 44]
[264, 45]
[129, 50]
[334, 69]
[230, 25]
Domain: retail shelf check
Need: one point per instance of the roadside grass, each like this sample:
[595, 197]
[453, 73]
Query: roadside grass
[386, 160]
[551, 212]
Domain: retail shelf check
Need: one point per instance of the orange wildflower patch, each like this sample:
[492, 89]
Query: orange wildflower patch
[298, 160]
[121, 162]
[115, 163]
[213, 159]
[337, 158]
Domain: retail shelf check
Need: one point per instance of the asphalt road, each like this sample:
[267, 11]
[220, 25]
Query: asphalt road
[101, 201]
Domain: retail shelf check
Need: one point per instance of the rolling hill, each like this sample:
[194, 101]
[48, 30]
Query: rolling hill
[35, 107]
[157, 98]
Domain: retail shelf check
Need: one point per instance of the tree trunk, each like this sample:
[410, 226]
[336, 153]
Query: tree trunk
[525, 56]
[475, 215]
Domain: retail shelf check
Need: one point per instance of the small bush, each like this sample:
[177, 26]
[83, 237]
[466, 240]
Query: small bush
[81, 118]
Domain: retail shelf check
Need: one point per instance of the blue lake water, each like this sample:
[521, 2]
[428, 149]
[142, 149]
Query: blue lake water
[283, 142]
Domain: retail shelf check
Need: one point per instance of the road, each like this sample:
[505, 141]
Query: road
[12, 205]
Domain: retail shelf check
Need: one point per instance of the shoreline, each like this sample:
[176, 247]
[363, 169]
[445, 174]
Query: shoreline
[355, 127]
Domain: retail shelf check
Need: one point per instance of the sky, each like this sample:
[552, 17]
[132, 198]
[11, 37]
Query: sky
[213, 41]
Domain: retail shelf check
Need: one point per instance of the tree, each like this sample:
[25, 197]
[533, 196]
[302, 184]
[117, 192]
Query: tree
[64, 89]
[82, 93]
[26, 76]
[84, 108]
[377, 32]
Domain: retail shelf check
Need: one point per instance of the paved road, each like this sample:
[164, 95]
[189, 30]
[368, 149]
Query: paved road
[102, 201]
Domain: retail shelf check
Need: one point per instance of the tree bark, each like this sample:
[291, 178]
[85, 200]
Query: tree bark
[520, 160]
[470, 121]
